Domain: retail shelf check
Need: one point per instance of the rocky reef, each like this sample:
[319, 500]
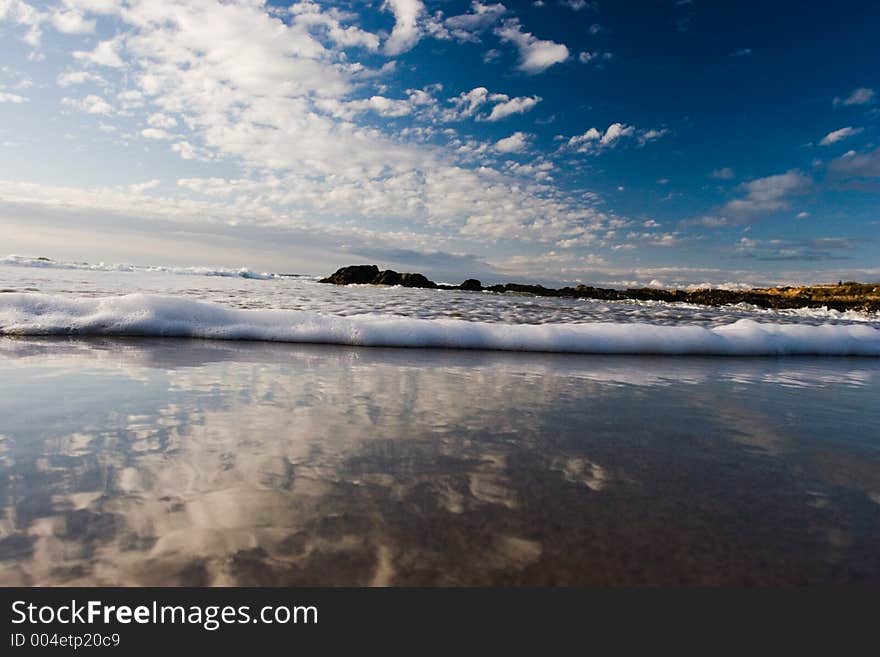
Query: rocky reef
[370, 275]
[842, 296]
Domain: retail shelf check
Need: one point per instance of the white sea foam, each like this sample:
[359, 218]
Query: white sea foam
[44, 263]
[154, 315]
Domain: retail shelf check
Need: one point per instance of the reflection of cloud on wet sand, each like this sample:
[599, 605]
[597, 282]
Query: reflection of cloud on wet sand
[243, 480]
[592, 475]
[272, 465]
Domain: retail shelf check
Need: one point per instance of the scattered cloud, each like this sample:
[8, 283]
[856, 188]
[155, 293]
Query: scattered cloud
[594, 57]
[652, 134]
[287, 106]
[23, 14]
[467, 104]
[857, 165]
[71, 22]
[6, 97]
[535, 55]
[468, 27]
[595, 140]
[491, 55]
[106, 53]
[185, 150]
[839, 135]
[70, 78]
[156, 133]
[515, 143]
[348, 109]
[769, 194]
[406, 32]
[859, 96]
[91, 104]
[708, 221]
[330, 26]
[509, 106]
[475, 103]
[159, 120]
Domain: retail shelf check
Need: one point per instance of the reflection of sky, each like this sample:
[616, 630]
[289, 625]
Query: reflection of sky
[171, 462]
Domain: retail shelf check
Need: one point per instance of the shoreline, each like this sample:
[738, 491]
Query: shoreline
[844, 296]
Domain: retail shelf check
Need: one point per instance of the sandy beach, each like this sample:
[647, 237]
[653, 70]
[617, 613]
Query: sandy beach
[181, 462]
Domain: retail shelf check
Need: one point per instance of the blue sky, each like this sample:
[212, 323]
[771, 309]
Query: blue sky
[619, 143]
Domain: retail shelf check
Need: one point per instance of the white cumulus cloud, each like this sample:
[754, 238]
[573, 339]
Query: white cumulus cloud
[91, 104]
[594, 140]
[406, 32]
[535, 55]
[511, 106]
[104, 54]
[515, 143]
[71, 22]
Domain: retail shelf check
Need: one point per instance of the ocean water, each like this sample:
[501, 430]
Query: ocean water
[133, 459]
[41, 298]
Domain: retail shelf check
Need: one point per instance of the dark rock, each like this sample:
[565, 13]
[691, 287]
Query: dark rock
[416, 280]
[370, 274]
[539, 290]
[653, 294]
[472, 284]
[387, 277]
[353, 274]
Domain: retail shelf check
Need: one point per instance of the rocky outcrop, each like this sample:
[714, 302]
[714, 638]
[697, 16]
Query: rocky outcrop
[843, 296]
[353, 274]
[387, 277]
[472, 285]
[371, 275]
[416, 280]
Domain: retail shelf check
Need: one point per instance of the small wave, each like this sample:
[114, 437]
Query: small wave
[153, 315]
[46, 263]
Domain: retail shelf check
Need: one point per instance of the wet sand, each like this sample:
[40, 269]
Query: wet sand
[176, 462]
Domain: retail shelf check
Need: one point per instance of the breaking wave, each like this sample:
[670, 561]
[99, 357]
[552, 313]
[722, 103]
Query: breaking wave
[168, 316]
